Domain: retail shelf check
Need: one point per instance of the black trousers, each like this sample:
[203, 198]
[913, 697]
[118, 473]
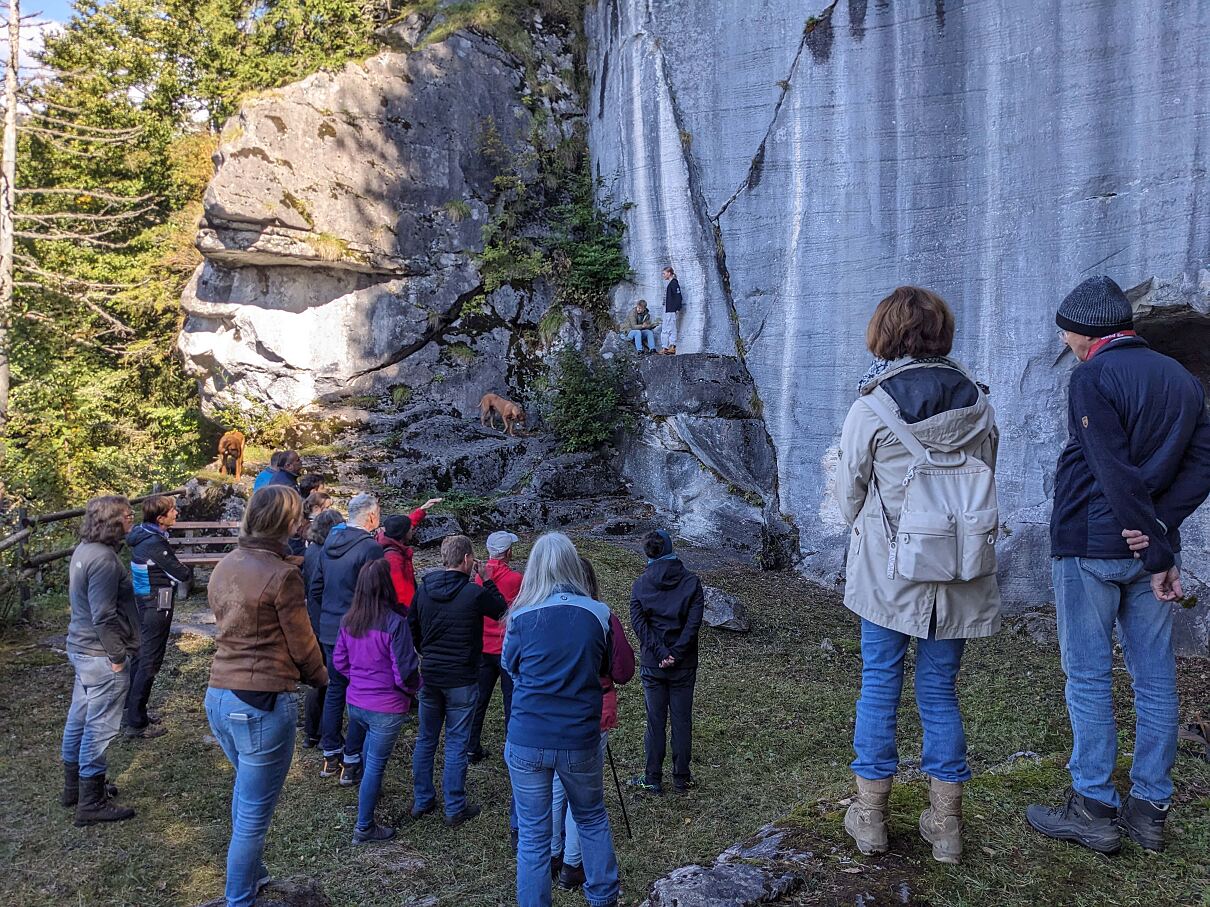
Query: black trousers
[668, 691]
[489, 671]
[153, 627]
[313, 711]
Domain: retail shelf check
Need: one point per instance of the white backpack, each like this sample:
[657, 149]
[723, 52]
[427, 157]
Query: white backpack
[950, 516]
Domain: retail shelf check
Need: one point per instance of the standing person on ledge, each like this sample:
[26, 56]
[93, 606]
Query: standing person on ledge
[1136, 466]
[446, 620]
[672, 312]
[666, 609]
[937, 402]
[102, 639]
[156, 573]
[264, 647]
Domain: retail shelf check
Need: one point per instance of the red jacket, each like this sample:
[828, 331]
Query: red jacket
[621, 670]
[399, 556]
[508, 581]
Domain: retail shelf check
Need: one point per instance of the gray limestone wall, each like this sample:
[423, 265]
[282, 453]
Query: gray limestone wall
[796, 163]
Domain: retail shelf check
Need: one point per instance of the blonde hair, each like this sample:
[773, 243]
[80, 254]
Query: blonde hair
[272, 513]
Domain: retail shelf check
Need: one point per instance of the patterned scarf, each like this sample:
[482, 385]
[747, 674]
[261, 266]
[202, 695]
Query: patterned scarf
[880, 366]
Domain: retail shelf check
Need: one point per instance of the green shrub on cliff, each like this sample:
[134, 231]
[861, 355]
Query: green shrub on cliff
[585, 408]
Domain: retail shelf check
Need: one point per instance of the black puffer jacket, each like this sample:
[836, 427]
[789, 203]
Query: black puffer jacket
[446, 620]
[666, 606]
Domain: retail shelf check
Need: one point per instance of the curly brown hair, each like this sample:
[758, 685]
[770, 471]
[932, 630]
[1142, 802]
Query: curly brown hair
[911, 322]
[105, 520]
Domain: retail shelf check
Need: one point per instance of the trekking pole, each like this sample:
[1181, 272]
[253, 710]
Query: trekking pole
[618, 785]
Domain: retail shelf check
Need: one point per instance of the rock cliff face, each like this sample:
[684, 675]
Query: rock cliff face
[342, 222]
[795, 164]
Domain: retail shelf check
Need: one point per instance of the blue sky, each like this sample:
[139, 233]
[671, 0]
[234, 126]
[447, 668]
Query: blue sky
[58, 10]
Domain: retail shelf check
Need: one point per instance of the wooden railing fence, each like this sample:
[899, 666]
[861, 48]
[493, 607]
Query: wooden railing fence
[29, 565]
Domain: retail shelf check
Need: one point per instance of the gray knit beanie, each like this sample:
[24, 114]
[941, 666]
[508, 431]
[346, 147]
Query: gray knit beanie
[1096, 308]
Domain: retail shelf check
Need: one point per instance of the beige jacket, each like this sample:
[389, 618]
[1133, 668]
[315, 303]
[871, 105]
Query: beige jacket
[870, 452]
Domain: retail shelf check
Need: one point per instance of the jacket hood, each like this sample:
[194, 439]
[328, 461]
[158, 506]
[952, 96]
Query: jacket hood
[444, 585]
[665, 573]
[390, 544]
[955, 422]
[140, 533]
[344, 538]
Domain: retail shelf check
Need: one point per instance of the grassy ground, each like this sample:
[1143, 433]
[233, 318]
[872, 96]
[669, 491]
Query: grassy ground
[772, 733]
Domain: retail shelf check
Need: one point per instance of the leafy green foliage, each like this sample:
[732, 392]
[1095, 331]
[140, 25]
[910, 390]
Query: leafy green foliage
[585, 408]
[98, 401]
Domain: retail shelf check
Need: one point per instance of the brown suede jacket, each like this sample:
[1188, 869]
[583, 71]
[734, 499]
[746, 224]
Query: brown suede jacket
[265, 640]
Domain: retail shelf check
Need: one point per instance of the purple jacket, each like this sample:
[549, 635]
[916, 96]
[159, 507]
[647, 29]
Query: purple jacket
[382, 667]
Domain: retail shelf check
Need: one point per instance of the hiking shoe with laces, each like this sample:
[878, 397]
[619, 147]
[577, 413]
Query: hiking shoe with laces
[145, 733]
[683, 787]
[417, 813]
[331, 766]
[350, 774]
[468, 812]
[373, 834]
[1143, 823]
[1081, 820]
[647, 788]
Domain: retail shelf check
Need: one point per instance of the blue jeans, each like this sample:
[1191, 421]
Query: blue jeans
[638, 336]
[260, 746]
[565, 834]
[332, 740]
[455, 708]
[380, 729]
[95, 713]
[943, 755]
[533, 771]
[1090, 595]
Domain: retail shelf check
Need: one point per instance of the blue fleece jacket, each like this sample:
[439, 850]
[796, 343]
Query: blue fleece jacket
[1138, 455]
[556, 651]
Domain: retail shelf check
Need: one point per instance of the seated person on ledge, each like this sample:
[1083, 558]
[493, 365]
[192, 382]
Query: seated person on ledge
[639, 326]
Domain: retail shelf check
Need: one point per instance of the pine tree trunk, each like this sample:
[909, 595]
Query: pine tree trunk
[8, 197]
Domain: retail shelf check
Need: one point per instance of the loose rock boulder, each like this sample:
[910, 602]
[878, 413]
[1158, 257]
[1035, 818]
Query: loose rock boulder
[726, 612]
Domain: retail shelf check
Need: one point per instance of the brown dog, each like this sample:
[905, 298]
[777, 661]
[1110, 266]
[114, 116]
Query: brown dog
[231, 454]
[511, 414]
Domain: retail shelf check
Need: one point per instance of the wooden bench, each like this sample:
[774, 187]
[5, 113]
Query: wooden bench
[221, 536]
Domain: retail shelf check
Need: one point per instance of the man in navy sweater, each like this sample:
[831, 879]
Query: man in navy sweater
[1136, 465]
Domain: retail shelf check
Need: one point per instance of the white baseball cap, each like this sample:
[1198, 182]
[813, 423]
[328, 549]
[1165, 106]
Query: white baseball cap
[499, 542]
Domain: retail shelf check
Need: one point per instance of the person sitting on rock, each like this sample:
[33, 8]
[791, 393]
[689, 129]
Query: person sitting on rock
[667, 605]
[638, 327]
[396, 537]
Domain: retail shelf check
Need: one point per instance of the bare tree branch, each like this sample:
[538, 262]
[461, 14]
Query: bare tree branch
[51, 216]
[74, 338]
[127, 132]
[120, 326]
[84, 239]
[56, 134]
[30, 265]
[93, 193]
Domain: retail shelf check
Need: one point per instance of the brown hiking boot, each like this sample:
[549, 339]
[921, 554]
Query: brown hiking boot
[865, 820]
[95, 805]
[941, 823]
